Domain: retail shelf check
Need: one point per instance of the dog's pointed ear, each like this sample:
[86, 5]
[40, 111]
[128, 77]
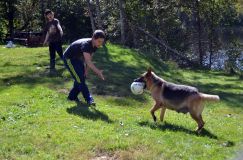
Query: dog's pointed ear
[149, 71]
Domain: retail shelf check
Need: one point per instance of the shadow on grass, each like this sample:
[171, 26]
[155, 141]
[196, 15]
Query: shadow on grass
[30, 79]
[89, 113]
[176, 128]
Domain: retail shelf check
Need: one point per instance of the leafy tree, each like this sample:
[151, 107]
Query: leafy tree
[180, 30]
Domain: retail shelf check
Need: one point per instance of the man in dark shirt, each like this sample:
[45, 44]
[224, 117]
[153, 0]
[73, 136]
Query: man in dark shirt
[78, 58]
[53, 38]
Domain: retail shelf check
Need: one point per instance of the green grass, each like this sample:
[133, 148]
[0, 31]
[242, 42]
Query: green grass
[37, 122]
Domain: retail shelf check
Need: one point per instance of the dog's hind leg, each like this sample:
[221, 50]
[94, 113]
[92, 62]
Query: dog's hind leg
[153, 109]
[196, 110]
[162, 113]
[202, 122]
[201, 125]
[199, 121]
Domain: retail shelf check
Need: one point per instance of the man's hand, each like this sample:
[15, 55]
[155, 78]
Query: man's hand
[100, 74]
[46, 39]
[86, 71]
[45, 43]
[87, 59]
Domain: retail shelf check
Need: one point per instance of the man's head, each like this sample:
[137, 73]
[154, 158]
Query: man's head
[49, 15]
[98, 38]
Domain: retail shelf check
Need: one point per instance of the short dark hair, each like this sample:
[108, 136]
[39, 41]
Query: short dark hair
[98, 34]
[48, 11]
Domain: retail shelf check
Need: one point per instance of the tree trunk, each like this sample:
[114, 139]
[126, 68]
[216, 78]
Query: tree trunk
[43, 20]
[210, 52]
[10, 18]
[122, 20]
[211, 35]
[91, 15]
[199, 30]
[134, 36]
[98, 14]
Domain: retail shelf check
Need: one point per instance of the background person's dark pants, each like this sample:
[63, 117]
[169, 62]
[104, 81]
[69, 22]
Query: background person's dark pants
[53, 48]
[76, 68]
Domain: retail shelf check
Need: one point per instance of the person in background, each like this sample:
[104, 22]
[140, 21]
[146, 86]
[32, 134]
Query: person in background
[53, 38]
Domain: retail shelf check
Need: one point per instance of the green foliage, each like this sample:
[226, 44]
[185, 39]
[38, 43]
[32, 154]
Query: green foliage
[174, 22]
[2, 25]
[26, 19]
[162, 16]
[229, 13]
[233, 55]
[2, 30]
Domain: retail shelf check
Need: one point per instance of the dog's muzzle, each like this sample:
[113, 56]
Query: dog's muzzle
[141, 79]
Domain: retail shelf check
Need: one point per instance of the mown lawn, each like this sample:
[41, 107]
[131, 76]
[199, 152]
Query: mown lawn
[37, 122]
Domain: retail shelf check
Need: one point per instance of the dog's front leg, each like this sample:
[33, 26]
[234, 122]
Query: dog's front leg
[162, 113]
[153, 109]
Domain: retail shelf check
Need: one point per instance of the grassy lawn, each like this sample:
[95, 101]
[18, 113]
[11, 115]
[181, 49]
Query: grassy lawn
[37, 122]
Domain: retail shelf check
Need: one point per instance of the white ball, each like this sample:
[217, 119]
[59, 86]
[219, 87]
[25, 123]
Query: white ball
[137, 87]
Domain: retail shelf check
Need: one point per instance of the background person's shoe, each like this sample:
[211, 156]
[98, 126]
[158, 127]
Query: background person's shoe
[53, 72]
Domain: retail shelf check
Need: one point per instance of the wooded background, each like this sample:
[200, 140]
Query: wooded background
[195, 33]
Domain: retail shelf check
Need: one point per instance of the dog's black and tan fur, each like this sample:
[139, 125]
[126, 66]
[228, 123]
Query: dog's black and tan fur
[180, 98]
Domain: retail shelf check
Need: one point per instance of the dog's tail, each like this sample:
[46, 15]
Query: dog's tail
[209, 97]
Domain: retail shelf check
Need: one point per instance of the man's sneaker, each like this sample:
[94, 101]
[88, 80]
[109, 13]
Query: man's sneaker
[91, 102]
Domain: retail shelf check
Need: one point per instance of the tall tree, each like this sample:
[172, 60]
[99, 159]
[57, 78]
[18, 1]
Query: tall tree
[199, 31]
[26, 19]
[10, 16]
[42, 13]
[91, 15]
[122, 20]
[98, 11]
[211, 34]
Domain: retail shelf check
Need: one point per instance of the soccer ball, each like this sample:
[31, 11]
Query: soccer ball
[137, 87]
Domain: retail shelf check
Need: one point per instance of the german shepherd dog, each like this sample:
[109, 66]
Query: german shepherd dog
[180, 98]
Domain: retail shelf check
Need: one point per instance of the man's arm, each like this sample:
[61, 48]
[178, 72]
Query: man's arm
[46, 38]
[86, 70]
[59, 28]
[88, 61]
[86, 67]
